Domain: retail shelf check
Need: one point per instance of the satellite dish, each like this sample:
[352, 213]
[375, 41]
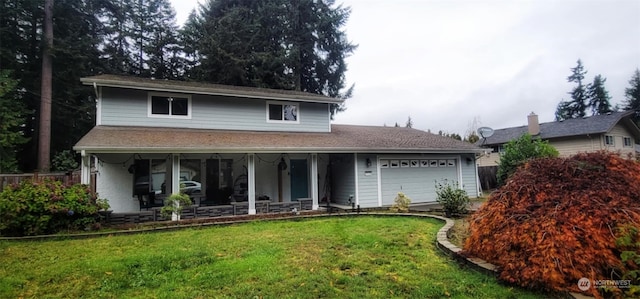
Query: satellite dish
[485, 132]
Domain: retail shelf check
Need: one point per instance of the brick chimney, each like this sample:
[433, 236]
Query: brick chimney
[534, 125]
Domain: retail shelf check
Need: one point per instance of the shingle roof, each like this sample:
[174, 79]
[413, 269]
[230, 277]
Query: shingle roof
[597, 124]
[205, 88]
[342, 138]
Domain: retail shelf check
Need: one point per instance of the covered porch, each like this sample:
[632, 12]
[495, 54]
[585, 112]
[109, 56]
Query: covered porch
[136, 167]
[218, 184]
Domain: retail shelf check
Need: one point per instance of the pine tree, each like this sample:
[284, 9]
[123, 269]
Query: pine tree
[75, 54]
[281, 44]
[632, 93]
[598, 96]
[12, 114]
[142, 39]
[576, 108]
[78, 32]
[116, 48]
[163, 51]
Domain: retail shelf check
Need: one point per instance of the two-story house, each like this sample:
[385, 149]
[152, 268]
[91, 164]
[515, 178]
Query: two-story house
[615, 131]
[226, 144]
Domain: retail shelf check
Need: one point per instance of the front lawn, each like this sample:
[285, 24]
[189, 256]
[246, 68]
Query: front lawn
[354, 257]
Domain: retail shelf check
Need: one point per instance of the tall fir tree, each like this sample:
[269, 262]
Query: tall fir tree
[163, 51]
[116, 44]
[598, 96]
[281, 44]
[12, 115]
[632, 93]
[632, 97]
[141, 39]
[577, 106]
[78, 31]
[77, 34]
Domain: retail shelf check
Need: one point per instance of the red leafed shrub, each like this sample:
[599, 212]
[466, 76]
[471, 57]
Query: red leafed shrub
[556, 220]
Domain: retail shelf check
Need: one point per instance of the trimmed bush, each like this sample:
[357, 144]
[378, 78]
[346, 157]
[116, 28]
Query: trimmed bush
[35, 208]
[174, 205]
[452, 199]
[401, 203]
[557, 220]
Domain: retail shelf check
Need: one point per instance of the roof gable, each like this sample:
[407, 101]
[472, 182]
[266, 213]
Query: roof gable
[191, 87]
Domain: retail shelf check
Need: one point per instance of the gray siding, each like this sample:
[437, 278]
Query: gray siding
[343, 181]
[469, 175]
[367, 181]
[121, 107]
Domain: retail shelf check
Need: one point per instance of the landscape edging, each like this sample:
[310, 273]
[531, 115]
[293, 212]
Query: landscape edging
[476, 263]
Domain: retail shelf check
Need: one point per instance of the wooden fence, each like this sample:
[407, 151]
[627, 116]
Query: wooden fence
[488, 177]
[65, 177]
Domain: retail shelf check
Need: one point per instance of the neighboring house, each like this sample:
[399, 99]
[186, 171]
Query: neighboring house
[240, 144]
[613, 131]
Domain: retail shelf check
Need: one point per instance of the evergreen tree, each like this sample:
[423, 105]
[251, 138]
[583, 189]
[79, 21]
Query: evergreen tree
[163, 51]
[190, 36]
[141, 38]
[632, 93]
[281, 44]
[153, 30]
[77, 34]
[115, 45]
[20, 35]
[77, 31]
[576, 108]
[598, 96]
[12, 114]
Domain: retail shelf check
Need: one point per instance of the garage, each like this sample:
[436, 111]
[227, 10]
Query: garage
[415, 177]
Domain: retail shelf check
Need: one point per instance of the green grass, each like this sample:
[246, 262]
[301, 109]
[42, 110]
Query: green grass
[359, 257]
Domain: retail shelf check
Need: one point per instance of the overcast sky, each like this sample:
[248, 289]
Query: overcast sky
[447, 63]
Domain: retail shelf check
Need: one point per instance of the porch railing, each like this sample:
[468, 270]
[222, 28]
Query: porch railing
[236, 209]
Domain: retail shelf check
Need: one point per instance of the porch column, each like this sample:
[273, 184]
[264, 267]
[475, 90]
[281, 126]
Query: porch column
[175, 179]
[251, 183]
[314, 182]
[85, 170]
[355, 173]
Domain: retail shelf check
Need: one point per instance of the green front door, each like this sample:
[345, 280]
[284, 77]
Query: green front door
[299, 179]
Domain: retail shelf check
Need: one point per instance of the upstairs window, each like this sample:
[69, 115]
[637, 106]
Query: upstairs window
[608, 140]
[169, 105]
[627, 142]
[282, 112]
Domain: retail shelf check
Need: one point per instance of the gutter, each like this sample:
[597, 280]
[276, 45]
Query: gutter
[128, 150]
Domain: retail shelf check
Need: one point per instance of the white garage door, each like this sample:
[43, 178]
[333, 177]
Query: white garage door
[416, 178]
